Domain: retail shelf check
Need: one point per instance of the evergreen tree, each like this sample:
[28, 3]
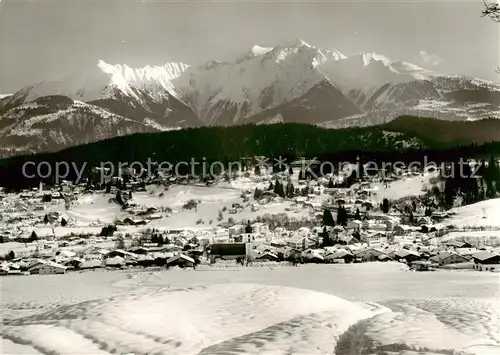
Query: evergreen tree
[276, 187]
[33, 237]
[352, 179]
[345, 218]
[290, 190]
[10, 256]
[282, 192]
[119, 198]
[328, 218]
[271, 187]
[290, 171]
[326, 241]
[63, 222]
[492, 178]
[330, 184]
[451, 188]
[469, 185]
[357, 216]
[385, 206]
[46, 219]
[361, 171]
[257, 170]
[257, 194]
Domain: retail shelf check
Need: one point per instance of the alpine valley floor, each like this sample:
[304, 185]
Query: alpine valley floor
[369, 308]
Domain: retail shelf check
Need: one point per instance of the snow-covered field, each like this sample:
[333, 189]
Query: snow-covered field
[370, 308]
[97, 207]
[406, 186]
[484, 213]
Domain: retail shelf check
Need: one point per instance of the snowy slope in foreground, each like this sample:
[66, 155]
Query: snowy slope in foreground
[206, 320]
[245, 319]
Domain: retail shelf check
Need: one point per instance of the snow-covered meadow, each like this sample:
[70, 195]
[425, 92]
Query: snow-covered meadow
[372, 308]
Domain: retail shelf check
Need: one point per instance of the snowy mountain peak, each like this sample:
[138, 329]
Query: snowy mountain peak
[300, 82]
[334, 54]
[369, 58]
[294, 49]
[324, 56]
[282, 48]
[102, 80]
[258, 50]
[155, 79]
[293, 43]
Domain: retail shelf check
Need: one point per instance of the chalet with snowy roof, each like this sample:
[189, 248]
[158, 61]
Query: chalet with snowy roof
[439, 216]
[407, 255]
[313, 256]
[370, 254]
[486, 261]
[227, 251]
[133, 222]
[267, 256]
[339, 256]
[121, 253]
[139, 250]
[347, 240]
[373, 237]
[425, 221]
[438, 228]
[45, 267]
[467, 251]
[486, 258]
[181, 260]
[453, 258]
[458, 244]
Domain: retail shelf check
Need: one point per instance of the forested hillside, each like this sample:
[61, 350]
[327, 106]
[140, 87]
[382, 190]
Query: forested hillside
[407, 138]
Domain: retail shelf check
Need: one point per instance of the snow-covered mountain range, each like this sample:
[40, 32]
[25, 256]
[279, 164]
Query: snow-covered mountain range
[290, 82]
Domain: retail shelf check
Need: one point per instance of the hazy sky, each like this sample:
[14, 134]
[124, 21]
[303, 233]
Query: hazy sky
[42, 39]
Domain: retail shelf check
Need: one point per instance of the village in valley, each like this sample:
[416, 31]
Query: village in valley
[251, 218]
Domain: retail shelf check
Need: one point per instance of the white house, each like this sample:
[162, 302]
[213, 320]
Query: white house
[374, 237]
[373, 225]
[260, 228]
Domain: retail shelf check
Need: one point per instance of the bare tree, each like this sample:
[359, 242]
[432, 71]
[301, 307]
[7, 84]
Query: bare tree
[491, 10]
